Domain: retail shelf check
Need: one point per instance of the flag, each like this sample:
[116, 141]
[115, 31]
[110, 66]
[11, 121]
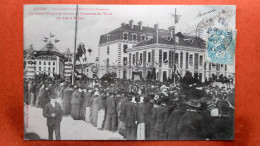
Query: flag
[176, 17]
[45, 39]
[51, 35]
[56, 41]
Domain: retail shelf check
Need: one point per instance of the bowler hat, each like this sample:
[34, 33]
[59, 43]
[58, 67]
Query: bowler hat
[194, 103]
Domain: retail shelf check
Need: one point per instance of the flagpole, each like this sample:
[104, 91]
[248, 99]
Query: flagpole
[174, 68]
[75, 44]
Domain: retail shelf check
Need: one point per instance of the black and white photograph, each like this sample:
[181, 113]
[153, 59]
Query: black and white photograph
[129, 72]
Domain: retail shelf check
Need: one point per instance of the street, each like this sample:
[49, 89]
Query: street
[70, 129]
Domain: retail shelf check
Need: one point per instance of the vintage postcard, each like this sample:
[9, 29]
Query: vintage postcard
[129, 72]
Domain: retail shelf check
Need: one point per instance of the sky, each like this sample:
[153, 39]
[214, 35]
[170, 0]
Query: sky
[36, 27]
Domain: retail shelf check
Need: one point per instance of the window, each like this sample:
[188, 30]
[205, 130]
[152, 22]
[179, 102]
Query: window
[44, 63]
[125, 36]
[53, 69]
[40, 63]
[221, 65]
[201, 60]
[141, 58]
[176, 58]
[164, 56]
[205, 65]
[49, 58]
[107, 61]
[213, 65]
[143, 37]
[53, 63]
[87, 70]
[49, 63]
[40, 68]
[125, 47]
[191, 60]
[149, 57]
[181, 60]
[108, 50]
[134, 37]
[133, 58]
[108, 37]
[125, 60]
[49, 69]
[44, 68]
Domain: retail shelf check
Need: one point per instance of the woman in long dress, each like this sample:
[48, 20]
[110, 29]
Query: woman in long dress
[96, 105]
[67, 100]
[75, 104]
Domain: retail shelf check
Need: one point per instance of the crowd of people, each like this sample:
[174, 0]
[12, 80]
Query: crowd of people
[142, 110]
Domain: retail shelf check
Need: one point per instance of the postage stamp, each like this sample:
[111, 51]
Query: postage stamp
[220, 46]
[221, 19]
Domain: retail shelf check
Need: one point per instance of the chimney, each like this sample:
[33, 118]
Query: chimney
[140, 25]
[156, 27]
[157, 33]
[122, 24]
[131, 23]
[172, 31]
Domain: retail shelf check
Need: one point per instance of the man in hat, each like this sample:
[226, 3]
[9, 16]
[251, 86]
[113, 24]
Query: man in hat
[159, 117]
[53, 112]
[140, 109]
[148, 115]
[191, 125]
[111, 112]
[129, 117]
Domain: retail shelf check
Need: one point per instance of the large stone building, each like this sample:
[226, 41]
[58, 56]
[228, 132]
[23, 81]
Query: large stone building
[133, 48]
[112, 53]
[166, 50]
[48, 60]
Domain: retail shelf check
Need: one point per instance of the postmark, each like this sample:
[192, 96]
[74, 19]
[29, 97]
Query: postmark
[220, 45]
[221, 19]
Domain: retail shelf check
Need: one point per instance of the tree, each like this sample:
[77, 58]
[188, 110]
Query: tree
[80, 51]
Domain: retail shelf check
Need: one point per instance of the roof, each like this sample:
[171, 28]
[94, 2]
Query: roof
[184, 40]
[50, 47]
[116, 34]
[81, 66]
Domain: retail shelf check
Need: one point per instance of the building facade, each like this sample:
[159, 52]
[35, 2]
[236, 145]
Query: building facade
[112, 55]
[86, 69]
[162, 50]
[43, 64]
